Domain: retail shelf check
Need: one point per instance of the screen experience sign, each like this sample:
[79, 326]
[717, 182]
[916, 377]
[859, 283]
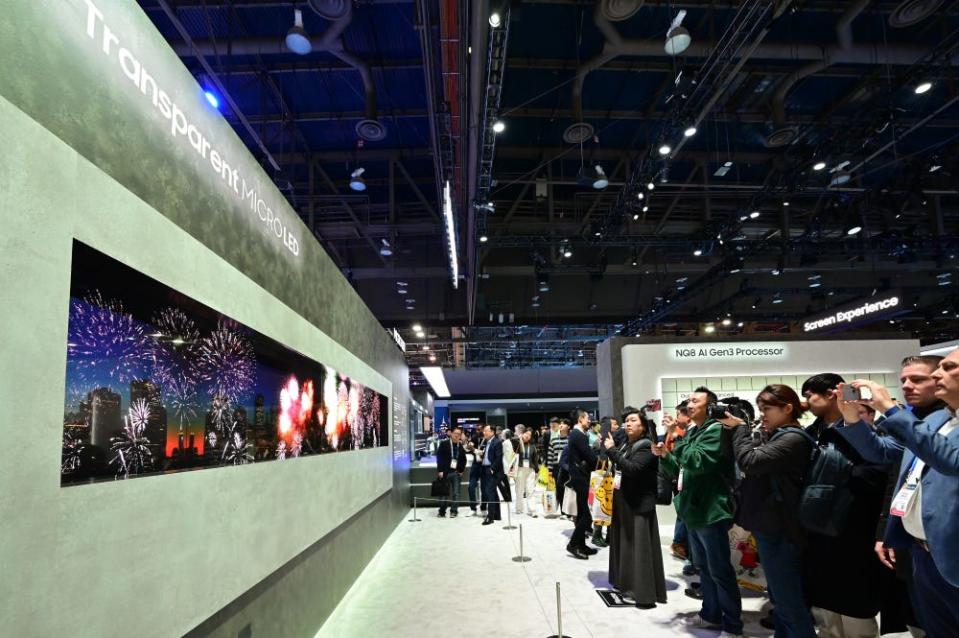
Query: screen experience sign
[877, 307]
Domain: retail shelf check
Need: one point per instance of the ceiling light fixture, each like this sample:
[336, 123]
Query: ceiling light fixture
[698, 252]
[710, 329]
[450, 235]
[934, 168]
[499, 126]
[650, 186]
[853, 229]
[727, 321]
[689, 132]
[640, 196]
[665, 149]
[483, 239]
[922, 87]
[567, 253]
[357, 183]
[678, 38]
[754, 214]
[297, 39]
[212, 99]
[434, 376]
[600, 181]
[635, 216]
[495, 20]
[385, 249]
[818, 166]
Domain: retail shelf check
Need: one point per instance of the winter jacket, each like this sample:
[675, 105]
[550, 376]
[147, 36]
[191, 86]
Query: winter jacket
[639, 468]
[772, 482]
[708, 475]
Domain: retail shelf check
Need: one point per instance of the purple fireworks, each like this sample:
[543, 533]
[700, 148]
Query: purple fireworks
[174, 345]
[104, 337]
[226, 361]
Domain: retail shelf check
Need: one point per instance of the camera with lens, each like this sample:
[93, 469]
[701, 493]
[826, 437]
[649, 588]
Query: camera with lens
[733, 405]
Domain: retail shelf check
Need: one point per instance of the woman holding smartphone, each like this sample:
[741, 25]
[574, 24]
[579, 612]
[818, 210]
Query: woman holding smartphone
[635, 554]
[773, 472]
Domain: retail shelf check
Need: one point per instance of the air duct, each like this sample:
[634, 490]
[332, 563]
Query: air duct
[605, 12]
[783, 134]
[912, 12]
[340, 12]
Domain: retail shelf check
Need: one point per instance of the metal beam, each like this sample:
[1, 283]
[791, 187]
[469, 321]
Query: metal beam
[416, 189]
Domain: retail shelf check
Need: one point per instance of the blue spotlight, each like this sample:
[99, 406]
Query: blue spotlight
[212, 99]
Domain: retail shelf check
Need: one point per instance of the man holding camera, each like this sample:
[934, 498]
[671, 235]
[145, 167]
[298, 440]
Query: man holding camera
[705, 473]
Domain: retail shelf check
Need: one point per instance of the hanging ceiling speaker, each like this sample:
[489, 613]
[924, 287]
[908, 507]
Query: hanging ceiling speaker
[332, 9]
[578, 133]
[912, 11]
[370, 130]
[782, 137]
[619, 10]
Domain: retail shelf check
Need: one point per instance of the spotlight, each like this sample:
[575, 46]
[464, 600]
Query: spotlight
[818, 166]
[934, 168]
[356, 180]
[710, 329]
[665, 150]
[483, 239]
[740, 324]
[212, 99]
[853, 229]
[922, 88]
[640, 196]
[754, 214]
[650, 186]
[495, 20]
[646, 208]
[689, 132]
[786, 202]
[600, 181]
[499, 126]
[567, 253]
[417, 327]
[297, 39]
[677, 38]
[727, 321]
[635, 216]
[698, 253]
[432, 358]
[385, 249]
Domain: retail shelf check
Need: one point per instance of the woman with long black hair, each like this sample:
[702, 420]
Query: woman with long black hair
[635, 554]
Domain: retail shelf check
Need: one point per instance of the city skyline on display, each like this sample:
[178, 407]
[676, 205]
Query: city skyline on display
[158, 382]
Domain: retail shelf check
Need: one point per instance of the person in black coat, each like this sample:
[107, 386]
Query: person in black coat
[492, 473]
[635, 554]
[769, 496]
[450, 465]
[842, 577]
[582, 461]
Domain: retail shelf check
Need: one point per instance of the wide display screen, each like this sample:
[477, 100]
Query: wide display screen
[158, 382]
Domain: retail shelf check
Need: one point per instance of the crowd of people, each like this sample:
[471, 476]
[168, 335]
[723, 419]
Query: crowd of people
[852, 515]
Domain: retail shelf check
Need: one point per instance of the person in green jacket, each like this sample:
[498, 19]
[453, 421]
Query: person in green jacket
[705, 473]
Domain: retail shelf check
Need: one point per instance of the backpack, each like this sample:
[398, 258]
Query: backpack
[826, 498]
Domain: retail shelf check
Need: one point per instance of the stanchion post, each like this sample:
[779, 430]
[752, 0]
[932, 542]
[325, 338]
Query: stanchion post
[415, 519]
[522, 558]
[559, 615]
[509, 518]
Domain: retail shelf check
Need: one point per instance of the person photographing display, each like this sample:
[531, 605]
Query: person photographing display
[581, 459]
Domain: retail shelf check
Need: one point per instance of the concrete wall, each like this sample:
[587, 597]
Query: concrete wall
[264, 549]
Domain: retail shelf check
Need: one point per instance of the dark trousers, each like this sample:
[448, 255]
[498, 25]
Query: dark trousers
[454, 482]
[938, 600]
[476, 473]
[782, 564]
[584, 520]
[560, 478]
[489, 482]
[680, 536]
[722, 604]
[504, 490]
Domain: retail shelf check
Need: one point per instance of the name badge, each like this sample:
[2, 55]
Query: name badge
[900, 504]
[617, 480]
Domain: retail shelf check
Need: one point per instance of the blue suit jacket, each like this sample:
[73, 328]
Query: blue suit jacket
[940, 479]
[494, 452]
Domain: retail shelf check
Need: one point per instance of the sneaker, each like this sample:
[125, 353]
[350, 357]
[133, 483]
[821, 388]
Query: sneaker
[453, 514]
[589, 551]
[689, 570]
[442, 514]
[699, 622]
[576, 552]
[694, 592]
[599, 542]
[679, 551]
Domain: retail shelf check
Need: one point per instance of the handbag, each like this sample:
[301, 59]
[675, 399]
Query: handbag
[440, 487]
[664, 488]
[569, 501]
[601, 496]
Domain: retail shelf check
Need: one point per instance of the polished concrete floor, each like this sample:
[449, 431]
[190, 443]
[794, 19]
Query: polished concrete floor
[455, 578]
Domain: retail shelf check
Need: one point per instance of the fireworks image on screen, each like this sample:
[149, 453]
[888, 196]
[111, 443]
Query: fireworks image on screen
[133, 455]
[104, 339]
[226, 361]
[158, 382]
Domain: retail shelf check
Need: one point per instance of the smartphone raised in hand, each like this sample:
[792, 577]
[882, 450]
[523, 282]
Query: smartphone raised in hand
[851, 393]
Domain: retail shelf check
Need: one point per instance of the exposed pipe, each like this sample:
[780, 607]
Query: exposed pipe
[782, 137]
[479, 30]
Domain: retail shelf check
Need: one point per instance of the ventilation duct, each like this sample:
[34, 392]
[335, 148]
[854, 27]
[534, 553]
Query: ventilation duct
[340, 12]
[911, 12]
[605, 12]
[783, 134]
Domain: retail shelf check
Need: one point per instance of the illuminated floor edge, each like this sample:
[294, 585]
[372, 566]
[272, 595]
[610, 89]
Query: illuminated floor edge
[455, 577]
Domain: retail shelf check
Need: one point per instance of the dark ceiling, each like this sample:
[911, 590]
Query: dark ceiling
[772, 87]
